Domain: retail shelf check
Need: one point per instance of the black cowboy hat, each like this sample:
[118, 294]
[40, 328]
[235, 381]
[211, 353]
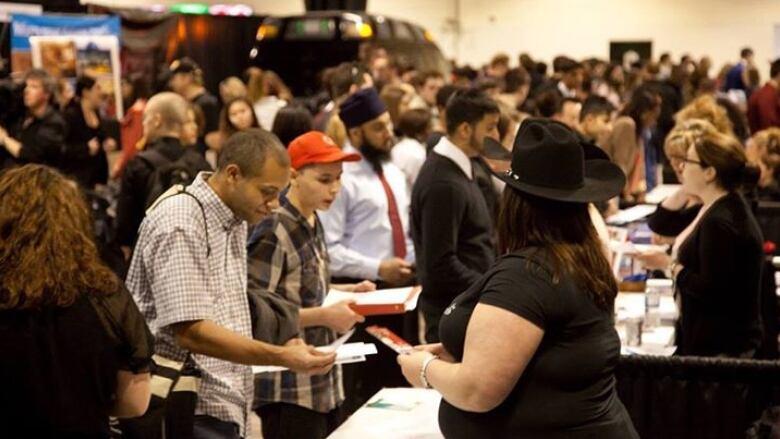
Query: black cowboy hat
[548, 160]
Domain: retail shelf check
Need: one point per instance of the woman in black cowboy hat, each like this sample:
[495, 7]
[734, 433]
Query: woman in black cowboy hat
[529, 350]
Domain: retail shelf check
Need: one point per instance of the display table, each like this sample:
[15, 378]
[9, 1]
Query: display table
[399, 413]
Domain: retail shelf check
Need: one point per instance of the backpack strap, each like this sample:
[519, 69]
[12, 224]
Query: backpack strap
[181, 190]
[153, 158]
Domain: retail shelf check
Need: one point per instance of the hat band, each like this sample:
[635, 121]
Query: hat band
[514, 176]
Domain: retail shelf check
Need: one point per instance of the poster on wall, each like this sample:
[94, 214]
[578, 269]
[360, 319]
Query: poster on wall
[626, 53]
[68, 56]
[24, 27]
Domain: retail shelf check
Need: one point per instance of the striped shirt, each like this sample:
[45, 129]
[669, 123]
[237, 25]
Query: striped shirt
[288, 257]
[173, 280]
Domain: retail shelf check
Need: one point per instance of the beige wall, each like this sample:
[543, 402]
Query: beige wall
[583, 28]
[580, 28]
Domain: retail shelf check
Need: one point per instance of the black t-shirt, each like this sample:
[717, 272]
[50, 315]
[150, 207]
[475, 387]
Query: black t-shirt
[59, 365]
[209, 104]
[568, 387]
[87, 169]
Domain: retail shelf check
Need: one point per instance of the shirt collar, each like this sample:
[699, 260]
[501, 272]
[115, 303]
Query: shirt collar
[565, 91]
[447, 149]
[287, 208]
[211, 201]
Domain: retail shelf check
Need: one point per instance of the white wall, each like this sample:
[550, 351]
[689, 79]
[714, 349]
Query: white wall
[583, 28]
[437, 16]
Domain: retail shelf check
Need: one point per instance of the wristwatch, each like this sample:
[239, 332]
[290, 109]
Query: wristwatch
[423, 370]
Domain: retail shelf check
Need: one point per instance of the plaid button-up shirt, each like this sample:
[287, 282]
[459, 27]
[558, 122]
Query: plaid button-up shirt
[173, 280]
[288, 257]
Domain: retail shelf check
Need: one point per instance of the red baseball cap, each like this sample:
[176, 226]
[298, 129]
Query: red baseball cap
[315, 147]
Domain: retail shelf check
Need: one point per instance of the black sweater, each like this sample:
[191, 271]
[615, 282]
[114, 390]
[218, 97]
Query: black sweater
[720, 282]
[88, 170]
[451, 230]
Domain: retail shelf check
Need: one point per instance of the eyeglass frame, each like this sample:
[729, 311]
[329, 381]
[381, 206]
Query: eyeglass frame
[684, 160]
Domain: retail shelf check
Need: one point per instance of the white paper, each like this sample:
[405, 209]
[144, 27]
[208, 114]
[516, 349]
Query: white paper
[631, 214]
[660, 193]
[629, 248]
[338, 342]
[408, 414]
[345, 354]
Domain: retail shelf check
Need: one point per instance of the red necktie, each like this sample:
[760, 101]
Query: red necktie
[399, 241]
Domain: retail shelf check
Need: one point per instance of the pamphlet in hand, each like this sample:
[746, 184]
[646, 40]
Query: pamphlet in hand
[387, 301]
[390, 339]
[632, 214]
[345, 353]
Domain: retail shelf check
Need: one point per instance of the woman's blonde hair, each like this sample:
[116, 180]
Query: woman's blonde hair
[765, 149]
[715, 149]
[706, 107]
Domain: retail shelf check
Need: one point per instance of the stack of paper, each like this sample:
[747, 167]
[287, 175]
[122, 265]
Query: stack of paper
[388, 301]
[661, 192]
[631, 214]
[629, 248]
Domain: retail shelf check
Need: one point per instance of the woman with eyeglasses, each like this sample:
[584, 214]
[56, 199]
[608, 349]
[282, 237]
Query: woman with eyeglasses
[716, 259]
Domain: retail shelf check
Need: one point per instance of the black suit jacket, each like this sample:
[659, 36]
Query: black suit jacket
[720, 282]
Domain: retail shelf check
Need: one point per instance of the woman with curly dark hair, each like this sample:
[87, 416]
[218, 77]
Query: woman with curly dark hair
[75, 348]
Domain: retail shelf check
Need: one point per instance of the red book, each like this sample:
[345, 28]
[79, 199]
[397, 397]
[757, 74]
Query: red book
[379, 302]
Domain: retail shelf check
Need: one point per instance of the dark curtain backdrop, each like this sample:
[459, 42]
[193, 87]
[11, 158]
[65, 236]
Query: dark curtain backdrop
[220, 45]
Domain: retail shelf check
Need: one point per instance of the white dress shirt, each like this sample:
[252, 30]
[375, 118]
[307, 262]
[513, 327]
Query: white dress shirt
[266, 109]
[409, 155]
[357, 224]
[448, 149]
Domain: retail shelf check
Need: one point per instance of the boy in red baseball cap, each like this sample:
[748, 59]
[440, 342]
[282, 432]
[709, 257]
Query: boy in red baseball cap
[288, 259]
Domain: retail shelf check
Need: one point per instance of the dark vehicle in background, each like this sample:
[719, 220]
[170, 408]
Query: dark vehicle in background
[299, 47]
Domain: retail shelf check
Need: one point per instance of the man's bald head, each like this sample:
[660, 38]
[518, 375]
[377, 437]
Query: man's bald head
[164, 116]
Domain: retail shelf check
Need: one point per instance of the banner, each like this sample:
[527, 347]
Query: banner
[69, 56]
[67, 46]
[25, 26]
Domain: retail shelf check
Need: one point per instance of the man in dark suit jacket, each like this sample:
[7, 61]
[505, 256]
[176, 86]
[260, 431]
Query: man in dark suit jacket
[452, 225]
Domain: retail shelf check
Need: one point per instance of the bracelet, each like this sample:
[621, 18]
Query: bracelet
[423, 370]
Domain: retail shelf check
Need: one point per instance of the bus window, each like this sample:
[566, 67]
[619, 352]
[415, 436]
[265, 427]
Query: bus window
[311, 28]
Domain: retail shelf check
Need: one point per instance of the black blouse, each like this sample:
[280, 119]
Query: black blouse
[568, 387]
[671, 223]
[88, 170]
[720, 281]
[60, 365]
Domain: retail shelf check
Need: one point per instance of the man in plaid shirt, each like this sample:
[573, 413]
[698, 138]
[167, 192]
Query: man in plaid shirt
[188, 277]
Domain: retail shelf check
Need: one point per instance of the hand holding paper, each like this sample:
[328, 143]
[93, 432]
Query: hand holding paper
[303, 358]
[341, 353]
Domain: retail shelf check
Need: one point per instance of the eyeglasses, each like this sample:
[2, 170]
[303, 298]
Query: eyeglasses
[686, 160]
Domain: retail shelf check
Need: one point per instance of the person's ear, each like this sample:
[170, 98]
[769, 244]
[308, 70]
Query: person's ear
[233, 173]
[464, 130]
[710, 173]
[294, 176]
[355, 136]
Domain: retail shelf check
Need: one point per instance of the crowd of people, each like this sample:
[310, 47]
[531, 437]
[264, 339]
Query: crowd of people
[232, 216]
